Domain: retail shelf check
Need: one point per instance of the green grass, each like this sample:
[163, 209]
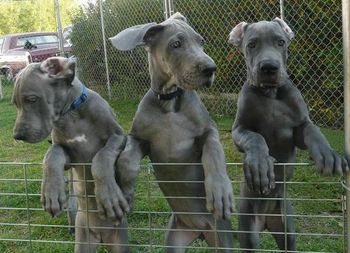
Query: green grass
[21, 152]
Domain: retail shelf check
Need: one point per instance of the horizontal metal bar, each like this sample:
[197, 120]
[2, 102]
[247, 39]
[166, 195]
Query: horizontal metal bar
[147, 164]
[189, 213]
[183, 181]
[180, 197]
[169, 229]
[153, 245]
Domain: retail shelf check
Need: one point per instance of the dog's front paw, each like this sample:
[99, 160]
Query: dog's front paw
[259, 172]
[53, 196]
[219, 196]
[327, 161]
[110, 200]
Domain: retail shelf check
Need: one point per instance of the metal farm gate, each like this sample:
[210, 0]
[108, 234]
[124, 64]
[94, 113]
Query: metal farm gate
[24, 226]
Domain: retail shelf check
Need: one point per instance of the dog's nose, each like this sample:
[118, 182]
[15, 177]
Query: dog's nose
[19, 136]
[269, 67]
[208, 69]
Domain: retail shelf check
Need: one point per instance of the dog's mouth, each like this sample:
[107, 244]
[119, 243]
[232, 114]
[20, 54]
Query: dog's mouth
[268, 81]
[29, 135]
[192, 81]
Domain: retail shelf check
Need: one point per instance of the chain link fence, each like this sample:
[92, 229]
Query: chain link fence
[315, 61]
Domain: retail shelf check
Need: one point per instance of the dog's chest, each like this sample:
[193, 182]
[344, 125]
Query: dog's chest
[174, 137]
[275, 120]
[80, 140]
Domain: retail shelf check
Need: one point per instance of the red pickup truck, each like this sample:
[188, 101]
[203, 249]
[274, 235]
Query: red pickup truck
[18, 50]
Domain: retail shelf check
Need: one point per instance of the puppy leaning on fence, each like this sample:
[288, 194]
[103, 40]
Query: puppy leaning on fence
[272, 120]
[49, 99]
[172, 125]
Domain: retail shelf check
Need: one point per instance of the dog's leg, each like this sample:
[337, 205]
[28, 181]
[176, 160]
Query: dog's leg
[119, 236]
[328, 162]
[72, 204]
[250, 226]
[222, 237]
[258, 164]
[218, 187]
[53, 196]
[177, 238]
[277, 224]
[86, 241]
[109, 197]
[128, 166]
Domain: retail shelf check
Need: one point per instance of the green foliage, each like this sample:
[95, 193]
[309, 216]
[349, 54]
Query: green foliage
[33, 15]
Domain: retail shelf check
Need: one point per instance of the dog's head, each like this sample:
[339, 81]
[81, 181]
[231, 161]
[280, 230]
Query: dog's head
[264, 45]
[39, 94]
[176, 53]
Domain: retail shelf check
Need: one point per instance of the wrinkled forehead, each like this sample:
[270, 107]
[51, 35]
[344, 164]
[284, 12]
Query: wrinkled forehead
[178, 27]
[29, 74]
[28, 79]
[264, 30]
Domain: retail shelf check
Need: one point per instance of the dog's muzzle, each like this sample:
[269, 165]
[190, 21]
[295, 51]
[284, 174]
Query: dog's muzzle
[208, 71]
[269, 73]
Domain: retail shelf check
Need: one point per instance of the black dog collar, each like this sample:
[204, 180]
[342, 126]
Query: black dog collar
[168, 96]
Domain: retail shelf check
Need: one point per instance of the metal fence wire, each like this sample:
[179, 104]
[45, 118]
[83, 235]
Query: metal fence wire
[315, 55]
[25, 227]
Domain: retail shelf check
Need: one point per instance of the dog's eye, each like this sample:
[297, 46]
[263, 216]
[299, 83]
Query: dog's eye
[176, 44]
[31, 99]
[281, 43]
[202, 42]
[251, 44]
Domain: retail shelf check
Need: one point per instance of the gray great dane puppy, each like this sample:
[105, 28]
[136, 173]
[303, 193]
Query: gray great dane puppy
[84, 129]
[272, 121]
[172, 125]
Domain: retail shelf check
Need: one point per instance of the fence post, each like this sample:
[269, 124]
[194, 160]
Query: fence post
[166, 9]
[105, 49]
[282, 9]
[59, 27]
[346, 55]
[171, 7]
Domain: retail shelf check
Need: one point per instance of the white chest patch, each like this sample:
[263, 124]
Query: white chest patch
[79, 138]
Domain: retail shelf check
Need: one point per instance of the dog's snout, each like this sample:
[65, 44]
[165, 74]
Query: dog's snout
[269, 67]
[18, 135]
[208, 69]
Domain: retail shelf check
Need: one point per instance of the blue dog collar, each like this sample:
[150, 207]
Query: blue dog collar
[79, 100]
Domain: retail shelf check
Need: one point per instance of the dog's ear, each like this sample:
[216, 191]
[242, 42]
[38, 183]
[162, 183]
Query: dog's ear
[139, 35]
[59, 68]
[285, 27]
[237, 34]
[179, 16]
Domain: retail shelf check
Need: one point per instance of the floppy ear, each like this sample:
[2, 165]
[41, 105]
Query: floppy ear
[178, 15]
[59, 68]
[237, 34]
[285, 28]
[135, 36]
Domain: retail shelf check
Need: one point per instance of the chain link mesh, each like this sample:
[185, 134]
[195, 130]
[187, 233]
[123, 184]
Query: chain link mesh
[315, 62]
[129, 76]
